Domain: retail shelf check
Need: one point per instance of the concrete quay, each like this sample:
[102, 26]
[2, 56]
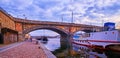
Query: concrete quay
[25, 49]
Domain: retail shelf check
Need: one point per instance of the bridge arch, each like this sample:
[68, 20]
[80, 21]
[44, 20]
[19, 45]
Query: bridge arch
[60, 31]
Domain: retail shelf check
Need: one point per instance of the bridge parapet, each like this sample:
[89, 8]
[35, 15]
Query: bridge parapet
[54, 23]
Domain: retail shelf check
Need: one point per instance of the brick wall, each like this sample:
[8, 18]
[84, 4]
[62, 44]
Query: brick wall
[9, 36]
[6, 21]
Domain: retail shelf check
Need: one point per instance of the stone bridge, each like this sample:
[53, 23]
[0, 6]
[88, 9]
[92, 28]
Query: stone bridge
[14, 29]
[24, 26]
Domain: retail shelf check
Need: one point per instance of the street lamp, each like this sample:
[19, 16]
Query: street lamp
[24, 20]
[61, 18]
[72, 15]
[72, 18]
[24, 26]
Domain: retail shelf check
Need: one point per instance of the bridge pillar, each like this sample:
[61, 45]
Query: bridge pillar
[66, 40]
[70, 37]
[63, 41]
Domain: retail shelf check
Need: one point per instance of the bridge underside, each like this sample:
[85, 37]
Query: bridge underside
[64, 35]
[57, 30]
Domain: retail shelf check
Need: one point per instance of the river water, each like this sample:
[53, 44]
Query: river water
[76, 51]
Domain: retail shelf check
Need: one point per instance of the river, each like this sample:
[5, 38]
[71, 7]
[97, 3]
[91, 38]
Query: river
[76, 51]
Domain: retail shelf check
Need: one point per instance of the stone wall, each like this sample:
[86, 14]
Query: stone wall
[7, 28]
[6, 21]
[9, 36]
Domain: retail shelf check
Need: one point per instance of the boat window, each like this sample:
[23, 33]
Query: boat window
[85, 35]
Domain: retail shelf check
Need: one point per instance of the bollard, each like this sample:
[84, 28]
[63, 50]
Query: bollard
[39, 47]
[36, 42]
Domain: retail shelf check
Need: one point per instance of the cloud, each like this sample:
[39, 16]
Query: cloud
[105, 3]
[53, 10]
[18, 4]
[93, 12]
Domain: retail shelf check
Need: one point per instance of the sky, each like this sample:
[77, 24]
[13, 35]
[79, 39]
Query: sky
[92, 12]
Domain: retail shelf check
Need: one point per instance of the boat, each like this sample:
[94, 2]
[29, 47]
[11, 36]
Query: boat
[44, 38]
[109, 36]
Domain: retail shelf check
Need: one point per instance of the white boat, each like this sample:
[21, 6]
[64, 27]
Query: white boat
[108, 37]
[101, 39]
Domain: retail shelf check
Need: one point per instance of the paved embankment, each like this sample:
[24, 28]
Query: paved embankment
[25, 50]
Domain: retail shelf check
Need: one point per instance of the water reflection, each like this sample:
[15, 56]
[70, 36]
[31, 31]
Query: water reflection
[112, 54]
[87, 52]
[52, 43]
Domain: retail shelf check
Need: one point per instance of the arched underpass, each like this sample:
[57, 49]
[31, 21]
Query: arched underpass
[63, 34]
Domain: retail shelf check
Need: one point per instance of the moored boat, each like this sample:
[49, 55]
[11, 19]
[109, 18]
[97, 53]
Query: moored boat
[101, 39]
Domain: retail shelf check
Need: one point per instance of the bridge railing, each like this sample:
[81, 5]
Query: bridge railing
[55, 23]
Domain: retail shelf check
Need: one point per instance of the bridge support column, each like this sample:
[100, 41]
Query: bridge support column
[70, 37]
[63, 41]
[66, 41]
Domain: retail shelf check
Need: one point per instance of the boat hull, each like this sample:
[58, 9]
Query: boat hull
[95, 43]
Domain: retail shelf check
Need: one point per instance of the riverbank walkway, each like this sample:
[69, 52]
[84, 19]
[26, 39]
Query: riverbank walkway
[25, 49]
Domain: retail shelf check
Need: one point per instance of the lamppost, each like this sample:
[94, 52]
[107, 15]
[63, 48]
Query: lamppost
[25, 18]
[24, 26]
[72, 16]
[72, 21]
[62, 18]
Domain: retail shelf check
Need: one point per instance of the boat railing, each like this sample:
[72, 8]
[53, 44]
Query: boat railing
[81, 40]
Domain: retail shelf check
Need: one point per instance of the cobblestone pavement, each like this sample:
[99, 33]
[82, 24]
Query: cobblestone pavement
[25, 50]
[6, 47]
